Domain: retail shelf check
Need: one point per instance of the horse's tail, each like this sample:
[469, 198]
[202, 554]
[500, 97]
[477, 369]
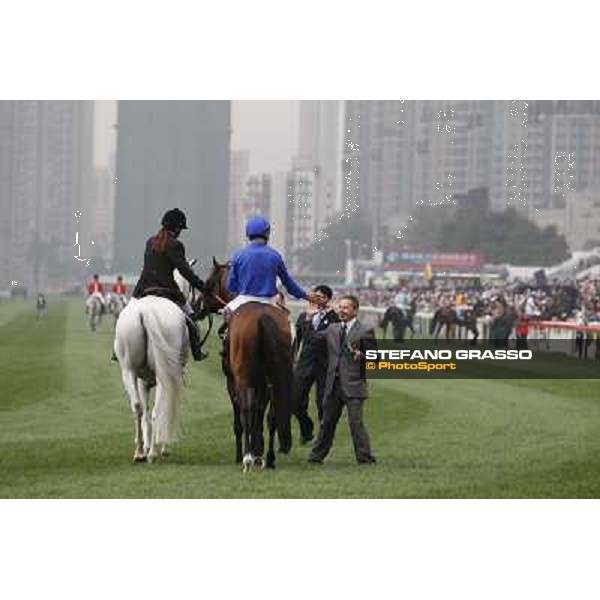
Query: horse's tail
[168, 352]
[277, 352]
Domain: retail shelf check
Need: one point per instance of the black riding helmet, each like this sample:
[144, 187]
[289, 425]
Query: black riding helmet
[174, 219]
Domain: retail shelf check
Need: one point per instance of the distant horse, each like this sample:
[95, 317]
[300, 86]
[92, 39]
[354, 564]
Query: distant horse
[445, 317]
[41, 307]
[257, 363]
[115, 303]
[396, 317]
[468, 320]
[152, 345]
[94, 309]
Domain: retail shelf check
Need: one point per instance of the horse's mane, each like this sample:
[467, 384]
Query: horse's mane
[183, 284]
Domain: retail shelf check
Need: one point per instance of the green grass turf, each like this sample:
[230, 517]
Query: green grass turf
[66, 431]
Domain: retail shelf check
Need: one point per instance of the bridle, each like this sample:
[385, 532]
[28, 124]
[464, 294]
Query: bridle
[210, 302]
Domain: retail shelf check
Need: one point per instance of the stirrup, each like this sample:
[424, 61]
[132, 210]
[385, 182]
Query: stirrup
[222, 331]
[199, 355]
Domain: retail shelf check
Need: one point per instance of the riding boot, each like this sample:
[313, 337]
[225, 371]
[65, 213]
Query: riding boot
[222, 331]
[195, 345]
[224, 352]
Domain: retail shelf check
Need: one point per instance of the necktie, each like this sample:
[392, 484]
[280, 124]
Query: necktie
[316, 320]
[343, 337]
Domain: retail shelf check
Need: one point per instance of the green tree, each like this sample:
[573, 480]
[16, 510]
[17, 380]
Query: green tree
[505, 237]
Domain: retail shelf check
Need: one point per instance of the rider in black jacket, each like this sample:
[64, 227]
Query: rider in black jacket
[165, 253]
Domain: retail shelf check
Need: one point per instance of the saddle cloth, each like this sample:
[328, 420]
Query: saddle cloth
[243, 299]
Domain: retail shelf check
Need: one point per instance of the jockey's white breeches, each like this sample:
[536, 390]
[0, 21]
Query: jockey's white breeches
[243, 299]
[99, 296]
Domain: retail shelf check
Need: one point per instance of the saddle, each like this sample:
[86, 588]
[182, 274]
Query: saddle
[283, 307]
[164, 292]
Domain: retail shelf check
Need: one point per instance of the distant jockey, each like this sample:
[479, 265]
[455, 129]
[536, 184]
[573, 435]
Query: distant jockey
[120, 289]
[95, 290]
[402, 300]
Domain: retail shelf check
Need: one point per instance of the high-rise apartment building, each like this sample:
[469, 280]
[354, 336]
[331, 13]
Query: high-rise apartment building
[377, 161]
[238, 172]
[257, 198]
[45, 193]
[528, 154]
[319, 151]
[102, 218]
[301, 224]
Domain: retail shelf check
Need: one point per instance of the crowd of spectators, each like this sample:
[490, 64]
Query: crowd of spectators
[559, 300]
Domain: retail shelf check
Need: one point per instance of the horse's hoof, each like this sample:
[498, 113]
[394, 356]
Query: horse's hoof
[247, 462]
[138, 458]
[164, 453]
[259, 463]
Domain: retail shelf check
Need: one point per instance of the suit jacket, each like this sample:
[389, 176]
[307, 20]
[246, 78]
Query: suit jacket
[314, 348]
[342, 361]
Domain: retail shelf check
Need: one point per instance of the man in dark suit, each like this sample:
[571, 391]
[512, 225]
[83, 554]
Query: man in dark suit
[311, 366]
[346, 342]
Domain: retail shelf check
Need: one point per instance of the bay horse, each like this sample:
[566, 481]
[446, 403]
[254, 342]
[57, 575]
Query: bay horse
[257, 363]
[397, 318]
[468, 320]
[445, 317]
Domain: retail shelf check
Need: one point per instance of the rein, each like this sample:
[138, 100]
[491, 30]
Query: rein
[217, 297]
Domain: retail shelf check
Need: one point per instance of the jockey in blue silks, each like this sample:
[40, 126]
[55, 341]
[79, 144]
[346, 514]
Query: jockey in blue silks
[256, 267]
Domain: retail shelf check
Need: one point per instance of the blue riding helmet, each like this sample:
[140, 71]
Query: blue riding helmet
[258, 227]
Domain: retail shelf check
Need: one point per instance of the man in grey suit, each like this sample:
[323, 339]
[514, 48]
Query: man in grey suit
[344, 385]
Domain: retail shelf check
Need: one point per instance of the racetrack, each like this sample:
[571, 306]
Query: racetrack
[66, 430]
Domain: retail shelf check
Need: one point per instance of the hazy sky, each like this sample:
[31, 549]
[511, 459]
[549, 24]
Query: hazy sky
[265, 127]
[268, 129]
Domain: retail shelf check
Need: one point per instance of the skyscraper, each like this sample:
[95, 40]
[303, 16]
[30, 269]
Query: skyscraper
[378, 164]
[45, 192]
[319, 151]
[531, 155]
[300, 221]
[171, 154]
[238, 172]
